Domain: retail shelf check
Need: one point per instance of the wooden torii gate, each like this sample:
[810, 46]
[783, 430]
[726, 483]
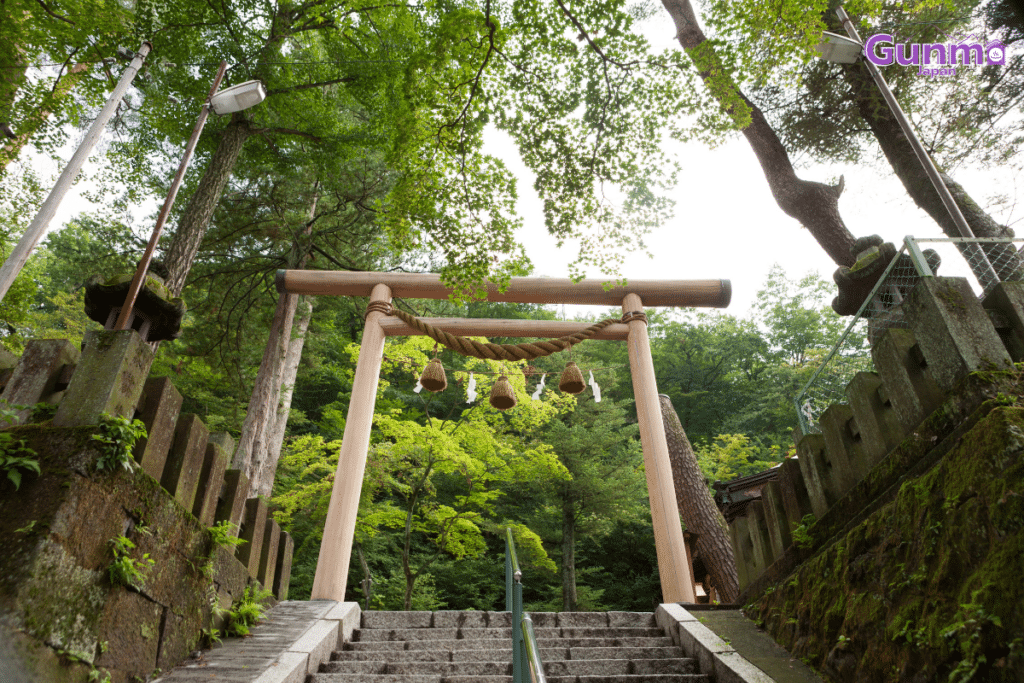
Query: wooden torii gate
[331, 576]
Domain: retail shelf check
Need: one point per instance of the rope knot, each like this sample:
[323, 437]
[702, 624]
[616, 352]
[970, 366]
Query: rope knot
[634, 315]
[378, 306]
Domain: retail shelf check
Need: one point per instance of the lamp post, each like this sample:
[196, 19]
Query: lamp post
[840, 49]
[235, 98]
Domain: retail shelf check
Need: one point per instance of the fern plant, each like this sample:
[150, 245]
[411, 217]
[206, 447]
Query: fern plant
[118, 435]
[15, 455]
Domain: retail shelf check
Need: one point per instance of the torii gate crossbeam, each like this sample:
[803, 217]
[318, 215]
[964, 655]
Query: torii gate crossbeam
[336, 548]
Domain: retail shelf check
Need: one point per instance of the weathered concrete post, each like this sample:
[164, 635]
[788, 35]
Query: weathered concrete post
[37, 372]
[331, 577]
[108, 379]
[668, 532]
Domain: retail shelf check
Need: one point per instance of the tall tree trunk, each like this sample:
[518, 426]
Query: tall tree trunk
[698, 509]
[569, 597]
[901, 157]
[30, 125]
[291, 368]
[199, 211]
[262, 402]
[815, 205]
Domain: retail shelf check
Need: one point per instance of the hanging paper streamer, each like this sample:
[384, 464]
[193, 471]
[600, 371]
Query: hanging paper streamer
[471, 389]
[597, 389]
[540, 387]
[418, 388]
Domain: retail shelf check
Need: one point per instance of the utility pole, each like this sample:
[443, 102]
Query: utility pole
[35, 231]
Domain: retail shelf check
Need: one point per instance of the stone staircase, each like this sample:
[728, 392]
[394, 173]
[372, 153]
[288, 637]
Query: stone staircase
[476, 647]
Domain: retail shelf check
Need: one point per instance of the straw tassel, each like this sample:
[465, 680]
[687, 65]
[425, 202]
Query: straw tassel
[502, 395]
[433, 378]
[572, 379]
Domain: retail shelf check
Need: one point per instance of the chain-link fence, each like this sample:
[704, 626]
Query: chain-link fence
[983, 261]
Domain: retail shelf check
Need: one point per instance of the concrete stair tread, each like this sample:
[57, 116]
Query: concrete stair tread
[326, 677]
[479, 643]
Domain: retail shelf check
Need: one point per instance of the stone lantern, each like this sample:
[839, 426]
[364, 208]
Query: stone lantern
[157, 314]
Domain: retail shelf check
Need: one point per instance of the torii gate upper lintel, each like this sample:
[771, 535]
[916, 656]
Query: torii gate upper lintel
[336, 548]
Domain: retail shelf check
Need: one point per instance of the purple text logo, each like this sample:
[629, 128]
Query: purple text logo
[933, 59]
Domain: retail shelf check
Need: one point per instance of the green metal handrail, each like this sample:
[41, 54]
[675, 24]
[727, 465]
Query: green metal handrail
[525, 652]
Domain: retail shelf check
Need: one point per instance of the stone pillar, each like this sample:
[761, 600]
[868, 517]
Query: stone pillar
[268, 553]
[906, 378]
[331, 576]
[185, 461]
[37, 373]
[253, 529]
[795, 500]
[108, 379]
[758, 530]
[954, 332]
[742, 550]
[159, 409]
[211, 480]
[283, 569]
[880, 429]
[817, 473]
[668, 531]
[1008, 299]
[231, 505]
[775, 517]
[842, 440]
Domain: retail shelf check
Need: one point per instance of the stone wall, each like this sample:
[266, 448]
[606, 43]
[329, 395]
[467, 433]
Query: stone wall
[902, 571]
[59, 610]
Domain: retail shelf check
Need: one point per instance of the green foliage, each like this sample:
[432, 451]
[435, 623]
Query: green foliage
[125, 570]
[247, 611]
[42, 412]
[118, 435]
[15, 455]
[801, 536]
[224, 534]
[731, 456]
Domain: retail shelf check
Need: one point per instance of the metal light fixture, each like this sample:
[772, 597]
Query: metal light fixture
[836, 48]
[238, 97]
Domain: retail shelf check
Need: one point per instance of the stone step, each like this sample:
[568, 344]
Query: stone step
[369, 635]
[585, 667]
[391, 678]
[480, 643]
[457, 619]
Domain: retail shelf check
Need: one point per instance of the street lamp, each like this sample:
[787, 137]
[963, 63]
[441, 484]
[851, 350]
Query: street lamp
[236, 98]
[840, 49]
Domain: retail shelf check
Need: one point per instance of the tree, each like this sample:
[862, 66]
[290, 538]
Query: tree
[697, 507]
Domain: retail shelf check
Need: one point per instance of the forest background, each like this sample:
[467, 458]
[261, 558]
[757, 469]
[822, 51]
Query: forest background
[369, 154]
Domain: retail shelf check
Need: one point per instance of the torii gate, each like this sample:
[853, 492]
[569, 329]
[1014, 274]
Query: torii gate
[331, 576]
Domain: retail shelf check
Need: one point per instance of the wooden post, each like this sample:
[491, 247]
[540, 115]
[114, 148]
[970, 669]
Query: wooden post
[336, 548]
[673, 568]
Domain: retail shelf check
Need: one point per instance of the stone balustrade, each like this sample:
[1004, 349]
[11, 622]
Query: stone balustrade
[892, 421]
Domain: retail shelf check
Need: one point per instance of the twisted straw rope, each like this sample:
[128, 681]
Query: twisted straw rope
[488, 351]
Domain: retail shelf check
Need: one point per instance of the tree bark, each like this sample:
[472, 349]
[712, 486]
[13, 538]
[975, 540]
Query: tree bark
[291, 369]
[698, 509]
[815, 205]
[250, 456]
[569, 597]
[199, 211]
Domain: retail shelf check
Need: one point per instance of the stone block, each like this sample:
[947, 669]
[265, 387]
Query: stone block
[953, 330]
[268, 553]
[318, 642]
[290, 667]
[135, 647]
[283, 568]
[108, 379]
[1007, 298]
[758, 530]
[775, 517]
[348, 616]
[211, 481]
[499, 619]
[742, 550]
[842, 443]
[731, 667]
[701, 643]
[631, 619]
[8, 360]
[392, 620]
[459, 619]
[669, 615]
[159, 408]
[795, 500]
[225, 441]
[35, 377]
[583, 619]
[231, 505]
[906, 378]
[185, 460]
[253, 528]
[880, 428]
[816, 468]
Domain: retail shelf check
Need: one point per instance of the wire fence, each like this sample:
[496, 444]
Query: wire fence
[983, 261]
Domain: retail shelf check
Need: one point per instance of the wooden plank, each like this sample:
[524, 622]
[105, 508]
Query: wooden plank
[527, 290]
[487, 327]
